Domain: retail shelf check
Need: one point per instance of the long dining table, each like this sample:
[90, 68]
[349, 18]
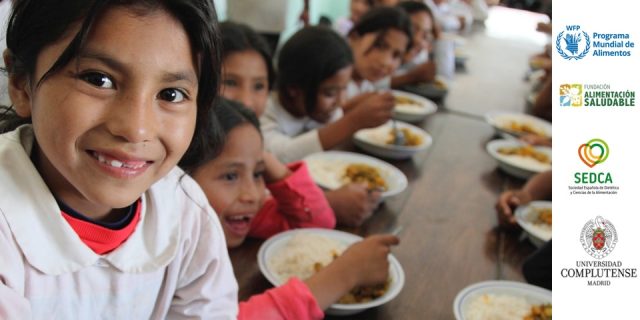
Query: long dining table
[450, 237]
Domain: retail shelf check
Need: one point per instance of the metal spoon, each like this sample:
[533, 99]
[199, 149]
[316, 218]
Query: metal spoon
[398, 135]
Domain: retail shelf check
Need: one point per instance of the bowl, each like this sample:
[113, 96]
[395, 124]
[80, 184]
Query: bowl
[327, 170]
[506, 124]
[518, 166]
[274, 245]
[527, 218]
[437, 89]
[525, 294]
[374, 141]
[416, 110]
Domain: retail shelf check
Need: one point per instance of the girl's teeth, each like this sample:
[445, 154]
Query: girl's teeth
[116, 163]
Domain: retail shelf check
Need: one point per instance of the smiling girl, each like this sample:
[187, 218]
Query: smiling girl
[95, 219]
[234, 182]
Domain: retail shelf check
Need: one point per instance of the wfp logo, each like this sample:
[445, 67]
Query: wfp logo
[571, 95]
[573, 43]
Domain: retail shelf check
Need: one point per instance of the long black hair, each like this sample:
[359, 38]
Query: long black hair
[35, 24]
[231, 114]
[379, 20]
[310, 56]
[237, 37]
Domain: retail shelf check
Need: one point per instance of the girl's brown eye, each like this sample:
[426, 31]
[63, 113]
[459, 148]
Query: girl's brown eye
[172, 95]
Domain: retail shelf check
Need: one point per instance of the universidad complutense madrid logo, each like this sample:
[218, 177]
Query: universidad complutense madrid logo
[573, 43]
[594, 152]
[598, 237]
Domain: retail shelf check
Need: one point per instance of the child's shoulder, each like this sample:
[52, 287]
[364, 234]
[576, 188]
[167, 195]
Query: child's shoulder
[179, 188]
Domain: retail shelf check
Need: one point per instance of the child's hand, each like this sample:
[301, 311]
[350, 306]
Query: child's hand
[508, 201]
[367, 260]
[353, 203]
[373, 111]
[425, 72]
[274, 169]
[364, 263]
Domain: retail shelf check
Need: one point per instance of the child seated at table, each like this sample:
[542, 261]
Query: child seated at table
[247, 76]
[234, 182]
[537, 267]
[304, 117]
[357, 9]
[379, 42]
[417, 67]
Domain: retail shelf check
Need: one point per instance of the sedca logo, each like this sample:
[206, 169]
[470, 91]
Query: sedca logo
[593, 152]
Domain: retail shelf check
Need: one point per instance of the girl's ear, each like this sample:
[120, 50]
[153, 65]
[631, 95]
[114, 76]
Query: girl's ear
[19, 89]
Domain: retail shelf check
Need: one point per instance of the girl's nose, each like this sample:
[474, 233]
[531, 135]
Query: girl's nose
[251, 192]
[246, 97]
[132, 118]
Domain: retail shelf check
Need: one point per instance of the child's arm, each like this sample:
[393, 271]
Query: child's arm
[292, 300]
[537, 188]
[425, 72]
[353, 203]
[287, 148]
[364, 263]
[371, 112]
[297, 202]
[349, 104]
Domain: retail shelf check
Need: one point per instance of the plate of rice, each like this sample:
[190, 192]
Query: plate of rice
[412, 107]
[379, 140]
[511, 124]
[502, 300]
[333, 169]
[295, 253]
[519, 159]
[535, 218]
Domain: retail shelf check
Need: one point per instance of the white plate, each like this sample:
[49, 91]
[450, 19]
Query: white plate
[526, 216]
[374, 141]
[274, 244]
[531, 294]
[327, 169]
[413, 113]
[518, 166]
[501, 120]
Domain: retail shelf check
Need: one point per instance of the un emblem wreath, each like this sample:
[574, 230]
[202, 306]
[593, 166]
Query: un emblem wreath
[578, 57]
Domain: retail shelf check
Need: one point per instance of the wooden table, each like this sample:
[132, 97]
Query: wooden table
[449, 238]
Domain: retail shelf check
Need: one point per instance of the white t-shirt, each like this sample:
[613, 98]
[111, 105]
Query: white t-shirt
[356, 89]
[174, 266]
[290, 138]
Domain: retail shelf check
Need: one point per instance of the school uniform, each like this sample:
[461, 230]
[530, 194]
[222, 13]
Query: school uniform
[364, 86]
[290, 138]
[174, 265]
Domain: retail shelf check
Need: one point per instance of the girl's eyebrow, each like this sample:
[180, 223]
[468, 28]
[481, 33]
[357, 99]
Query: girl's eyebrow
[120, 67]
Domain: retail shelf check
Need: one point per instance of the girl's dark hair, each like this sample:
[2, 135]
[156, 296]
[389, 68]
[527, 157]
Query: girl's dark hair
[411, 7]
[230, 114]
[34, 24]
[380, 19]
[310, 56]
[238, 37]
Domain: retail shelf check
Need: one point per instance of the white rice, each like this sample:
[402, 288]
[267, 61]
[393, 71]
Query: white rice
[298, 256]
[497, 307]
